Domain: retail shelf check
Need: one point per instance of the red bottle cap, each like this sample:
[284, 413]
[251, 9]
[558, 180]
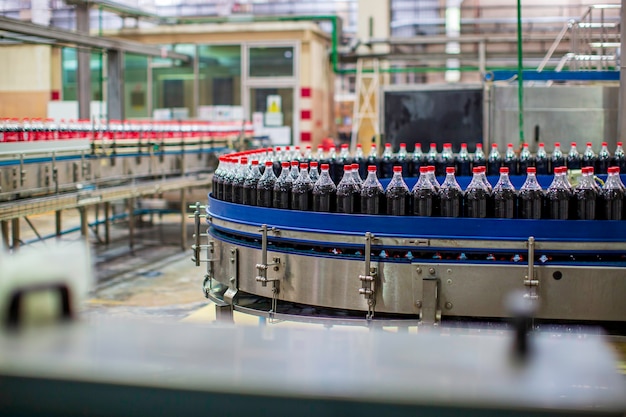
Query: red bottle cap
[541, 145]
[423, 170]
[494, 145]
[585, 170]
[531, 170]
[344, 146]
[314, 164]
[304, 165]
[525, 145]
[371, 168]
[347, 168]
[619, 143]
[589, 144]
[475, 170]
[308, 146]
[358, 145]
[255, 162]
[613, 170]
[449, 170]
[355, 166]
[268, 163]
[325, 167]
[479, 146]
[482, 169]
[277, 149]
[504, 170]
[431, 168]
[605, 144]
[557, 144]
[590, 169]
[285, 164]
[403, 145]
[294, 163]
[387, 145]
[573, 144]
[464, 145]
[397, 168]
[244, 160]
[510, 145]
[447, 145]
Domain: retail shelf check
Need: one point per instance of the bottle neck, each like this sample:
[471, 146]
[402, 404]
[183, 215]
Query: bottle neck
[504, 182]
[450, 182]
[613, 181]
[531, 182]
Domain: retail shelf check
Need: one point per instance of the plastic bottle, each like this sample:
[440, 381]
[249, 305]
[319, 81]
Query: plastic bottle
[324, 192]
[589, 157]
[483, 177]
[431, 158]
[265, 186]
[217, 183]
[344, 157]
[250, 184]
[526, 159]
[542, 163]
[510, 160]
[319, 155]
[387, 162]
[238, 180]
[308, 155]
[372, 158]
[504, 196]
[346, 192]
[530, 200]
[372, 193]
[402, 159]
[446, 159]
[557, 159]
[476, 196]
[335, 169]
[282, 188]
[586, 196]
[573, 157]
[417, 159]
[424, 195]
[450, 195]
[360, 160]
[231, 165]
[479, 159]
[314, 172]
[613, 195]
[604, 159]
[397, 194]
[463, 162]
[302, 189]
[279, 156]
[494, 162]
[619, 158]
[558, 196]
[294, 172]
[358, 182]
[433, 180]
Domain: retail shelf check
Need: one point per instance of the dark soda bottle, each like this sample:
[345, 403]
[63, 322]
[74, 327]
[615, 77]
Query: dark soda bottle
[342, 160]
[372, 158]
[417, 160]
[402, 159]
[557, 159]
[358, 182]
[372, 193]
[335, 168]
[463, 162]
[279, 156]
[324, 192]
[589, 157]
[476, 196]
[250, 184]
[613, 195]
[319, 155]
[360, 160]
[423, 194]
[619, 159]
[558, 196]
[432, 158]
[228, 180]
[387, 162]
[238, 179]
[450, 195]
[308, 155]
[494, 162]
[530, 201]
[526, 159]
[510, 160]
[265, 186]
[302, 189]
[542, 163]
[573, 157]
[586, 196]
[446, 159]
[397, 194]
[217, 182]
[282, 188]
[479, 159]
[433, 180]
[346, 192]
[294, 172]
[314, 172]
[504, 196]
[604, 159]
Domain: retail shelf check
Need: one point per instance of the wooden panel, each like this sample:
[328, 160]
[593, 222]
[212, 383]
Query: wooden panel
[24, 104]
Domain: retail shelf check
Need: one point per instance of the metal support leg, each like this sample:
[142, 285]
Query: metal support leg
[115, 84]
[58, 223]
[224, 313]
[4, 225]
[183, 218]
[107, 223]
[32, 227]
[130, 203]
[84, 223]
[15, 229]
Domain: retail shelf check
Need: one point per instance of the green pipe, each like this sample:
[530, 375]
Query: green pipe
[520, 76]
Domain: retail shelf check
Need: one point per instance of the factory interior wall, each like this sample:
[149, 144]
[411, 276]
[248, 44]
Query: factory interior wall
[25, 84]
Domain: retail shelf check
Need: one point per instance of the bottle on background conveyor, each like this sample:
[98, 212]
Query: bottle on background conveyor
[463, 162]
[494, 161]
[510, 160]
[526, 159]
[604, 159]
[372, 157]
[431, 158]
[402, 159]
[360, 160]
[418, 159]
[619, 159]
[542, 163]
[556, 159]
[589, 157]
[479, 159]
[573, 157]
[387, 162]
[446, 159]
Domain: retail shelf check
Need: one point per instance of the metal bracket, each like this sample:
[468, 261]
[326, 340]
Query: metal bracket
[263, 267]
[368, 279]
[430, 313]
[530, 280]
[197, 246]
[233, 280]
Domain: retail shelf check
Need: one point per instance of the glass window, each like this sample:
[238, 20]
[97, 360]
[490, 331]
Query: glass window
[173, 84]
[219, 72]
[69, 69]
[271, 61]
[136, 86]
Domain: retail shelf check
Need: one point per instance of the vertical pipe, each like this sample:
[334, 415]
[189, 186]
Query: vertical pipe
[130, 204]
[520, 73]
[183, 218]
[4, 225]
[621, 117]
[58, 224]
[107, 223]
[84, 225]
[15, 226]
[83, 56]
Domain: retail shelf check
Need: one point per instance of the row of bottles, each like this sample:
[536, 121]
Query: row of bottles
[299, 186]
